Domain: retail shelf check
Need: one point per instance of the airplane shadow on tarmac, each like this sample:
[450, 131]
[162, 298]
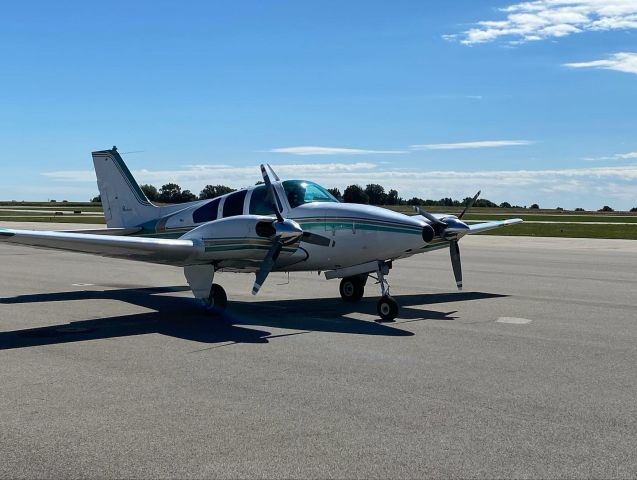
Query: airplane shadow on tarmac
[182, 317]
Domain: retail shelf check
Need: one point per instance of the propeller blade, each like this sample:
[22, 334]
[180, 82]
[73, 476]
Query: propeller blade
[266, 265]
[315, 239]
[276, 177]
[430, 217]
[276, 201]
[454, 251]
[466, 209]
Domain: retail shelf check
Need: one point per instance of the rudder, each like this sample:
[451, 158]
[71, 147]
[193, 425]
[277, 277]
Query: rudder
[125, 204]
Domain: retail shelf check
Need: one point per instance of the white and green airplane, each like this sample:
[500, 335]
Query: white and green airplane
[282, 226]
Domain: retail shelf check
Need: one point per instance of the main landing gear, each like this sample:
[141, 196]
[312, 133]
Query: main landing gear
[217, 299]
[211, 295]
[352, 290]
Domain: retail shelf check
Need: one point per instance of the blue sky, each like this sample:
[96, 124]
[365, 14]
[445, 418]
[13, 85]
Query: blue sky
[531, 102]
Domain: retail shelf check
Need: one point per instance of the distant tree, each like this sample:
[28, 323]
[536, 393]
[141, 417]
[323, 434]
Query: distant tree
[53, 201]
[579, 209]
[634, 209]
[392, 197]
[535, 206]
[187, 196]
[355, 194]
[151, 192]
[417, 201]
[376, 194]
[448, 202]
[483, 203]
[97, 199]
[213, 191]
[170, 193]
[605, 208]
[335, 192]
[559, 209]
[505, 205]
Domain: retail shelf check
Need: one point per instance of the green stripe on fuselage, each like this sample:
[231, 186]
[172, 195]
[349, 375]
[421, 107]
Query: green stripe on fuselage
[352, 225]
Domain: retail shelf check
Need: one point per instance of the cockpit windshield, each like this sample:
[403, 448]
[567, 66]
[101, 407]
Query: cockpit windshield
[300, 192]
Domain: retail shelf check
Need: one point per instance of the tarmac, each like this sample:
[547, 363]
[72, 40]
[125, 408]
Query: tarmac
[108, 368]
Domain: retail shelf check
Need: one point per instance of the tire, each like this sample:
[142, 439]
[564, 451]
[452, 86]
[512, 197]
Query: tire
[387, 308]
[218, 300]
[352, 289]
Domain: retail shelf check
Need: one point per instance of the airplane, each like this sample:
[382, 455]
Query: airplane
[278, 226]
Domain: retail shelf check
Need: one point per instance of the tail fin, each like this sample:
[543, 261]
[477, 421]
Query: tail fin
[125, 204]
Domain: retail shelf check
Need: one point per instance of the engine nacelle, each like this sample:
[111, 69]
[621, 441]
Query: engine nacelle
[245, 237]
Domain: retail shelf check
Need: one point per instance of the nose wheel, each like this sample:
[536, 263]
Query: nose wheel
[387, 308]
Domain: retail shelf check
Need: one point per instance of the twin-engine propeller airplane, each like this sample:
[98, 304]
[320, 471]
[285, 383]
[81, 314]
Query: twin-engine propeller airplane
[281, 226]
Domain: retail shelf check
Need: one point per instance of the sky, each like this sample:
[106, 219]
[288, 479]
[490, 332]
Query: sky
[530, 102]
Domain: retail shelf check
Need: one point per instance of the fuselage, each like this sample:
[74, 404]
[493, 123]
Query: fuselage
[353, 233]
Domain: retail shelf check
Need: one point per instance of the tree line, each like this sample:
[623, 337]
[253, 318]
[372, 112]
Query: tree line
[372, 194]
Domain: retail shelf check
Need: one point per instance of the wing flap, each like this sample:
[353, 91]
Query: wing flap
[154, 250]
[483, 227]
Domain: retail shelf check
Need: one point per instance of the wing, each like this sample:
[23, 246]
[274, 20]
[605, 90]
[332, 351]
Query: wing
[483, 227]
[153, 250]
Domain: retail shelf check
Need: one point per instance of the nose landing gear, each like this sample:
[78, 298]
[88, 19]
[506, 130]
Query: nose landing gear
[353, 285]
[387, 306]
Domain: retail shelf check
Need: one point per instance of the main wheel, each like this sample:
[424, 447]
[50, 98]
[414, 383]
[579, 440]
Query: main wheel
[387, 308]
[217, 300]
[352, 289]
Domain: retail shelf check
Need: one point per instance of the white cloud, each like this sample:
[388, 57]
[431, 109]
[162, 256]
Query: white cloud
[621, 62]
[464, 145]
[313, 150]
[617, 156]
[585, 187]
[541, 19]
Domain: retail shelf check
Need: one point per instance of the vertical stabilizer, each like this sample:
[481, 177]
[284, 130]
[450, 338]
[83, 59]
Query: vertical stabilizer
[125, 204]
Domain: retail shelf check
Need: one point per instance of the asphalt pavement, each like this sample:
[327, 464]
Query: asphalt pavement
[108, 368]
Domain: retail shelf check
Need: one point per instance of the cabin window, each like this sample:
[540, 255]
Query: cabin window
[300, 192]
[207, 213]
[234, 204]
[260, 203]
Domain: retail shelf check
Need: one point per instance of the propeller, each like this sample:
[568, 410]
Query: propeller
[469, 205]
[286, 232]
[450, 228]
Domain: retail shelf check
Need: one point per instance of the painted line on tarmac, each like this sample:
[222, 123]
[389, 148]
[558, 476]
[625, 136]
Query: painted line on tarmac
[514, 320]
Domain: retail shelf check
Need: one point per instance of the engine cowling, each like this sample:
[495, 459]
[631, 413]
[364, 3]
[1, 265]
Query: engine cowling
[245, 237]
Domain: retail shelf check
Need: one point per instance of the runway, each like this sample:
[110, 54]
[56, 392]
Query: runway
[109, 369]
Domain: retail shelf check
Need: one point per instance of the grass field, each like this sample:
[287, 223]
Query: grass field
[550, 223]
